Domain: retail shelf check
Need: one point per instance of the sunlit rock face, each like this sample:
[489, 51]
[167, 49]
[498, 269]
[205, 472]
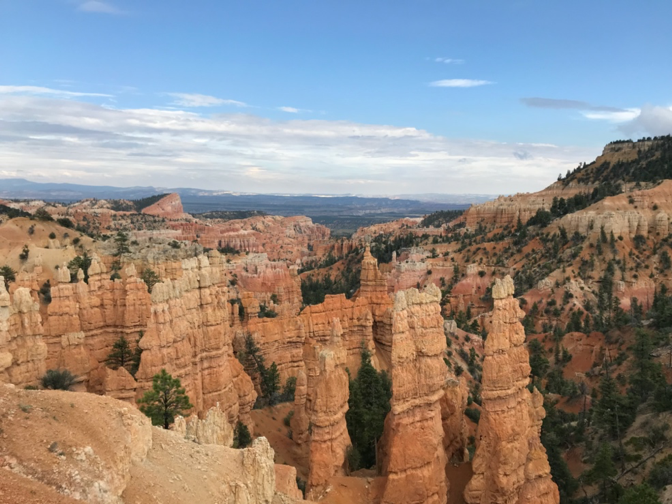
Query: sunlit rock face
[510, 464]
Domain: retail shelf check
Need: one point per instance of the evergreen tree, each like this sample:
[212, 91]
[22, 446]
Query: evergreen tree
[82, 262]
[270, 384]
[613, 411]
[150, 278]
[538, 362]
[58, 379]
[369, 403]
[639, 494]
[121, 354]
[241, 436]
[602, 471]
[661, 310]
[560, 472]
[636, 311]
[288, 391]
[121, 240]
[645, 371]
[166, 399]
[9, 274]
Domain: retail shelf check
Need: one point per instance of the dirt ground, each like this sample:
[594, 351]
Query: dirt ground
[268, 422]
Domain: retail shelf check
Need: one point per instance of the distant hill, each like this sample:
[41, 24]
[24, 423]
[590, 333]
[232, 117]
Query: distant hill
[623, 161]
[339, 212]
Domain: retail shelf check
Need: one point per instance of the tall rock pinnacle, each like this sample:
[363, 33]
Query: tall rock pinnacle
[510, 465]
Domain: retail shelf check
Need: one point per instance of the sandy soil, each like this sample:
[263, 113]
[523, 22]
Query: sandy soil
[269, 423]
[15, 489]
[458, 476]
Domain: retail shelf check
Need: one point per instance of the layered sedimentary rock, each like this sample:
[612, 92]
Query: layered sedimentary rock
[83, 321]
[373, 289]
[214, 428]
[101, 451]
[412, 451]
[168, 207]
[300, 421]
[22, 349]
[355, 322]
[279, 237]
[325, 406]
[187, 334]
[455, 430]
[273, 283]
[510, 465]
[643, 212]
[117, 383]
[285, 481]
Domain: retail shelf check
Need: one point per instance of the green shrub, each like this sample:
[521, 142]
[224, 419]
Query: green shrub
[65, 222]
[9, 274]
[661, 473]
[473, 414]
[58, 379]
[353, 457]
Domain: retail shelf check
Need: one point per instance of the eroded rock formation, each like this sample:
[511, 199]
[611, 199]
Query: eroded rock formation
[213, 429]
[101, 451]
[510, 464]
[22, 349]
[411, 450]
[326, 405]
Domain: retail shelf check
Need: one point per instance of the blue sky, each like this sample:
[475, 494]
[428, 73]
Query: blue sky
[371, 97]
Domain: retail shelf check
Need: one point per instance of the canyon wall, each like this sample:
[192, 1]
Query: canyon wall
[191, 325]
[642, 212]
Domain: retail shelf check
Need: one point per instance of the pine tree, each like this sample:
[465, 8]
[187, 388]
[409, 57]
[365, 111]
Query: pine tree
[166, 399]
[613, 411]
[538, 362]
[121, 240]
[369, 403]
[270, 384]
[241, 436]
[121, 354]
[603, 469]
[645, 371]
[639, 494]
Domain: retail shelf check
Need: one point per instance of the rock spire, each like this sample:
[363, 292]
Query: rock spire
[510, 465]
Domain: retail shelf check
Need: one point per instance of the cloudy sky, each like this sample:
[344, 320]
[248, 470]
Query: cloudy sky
[329, 96]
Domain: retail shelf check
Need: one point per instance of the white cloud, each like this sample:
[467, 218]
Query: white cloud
[199, 100]
[454, 61]
[612, 116]
[38, 90]
[459, 83]
[291, 110]
[244, 152]
[652, 120]
[97, 6]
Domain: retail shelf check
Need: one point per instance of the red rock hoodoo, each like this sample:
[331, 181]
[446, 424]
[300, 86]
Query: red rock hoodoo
[510, 464]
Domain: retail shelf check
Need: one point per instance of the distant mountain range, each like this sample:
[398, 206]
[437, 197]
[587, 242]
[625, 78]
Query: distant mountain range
[321, 208]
